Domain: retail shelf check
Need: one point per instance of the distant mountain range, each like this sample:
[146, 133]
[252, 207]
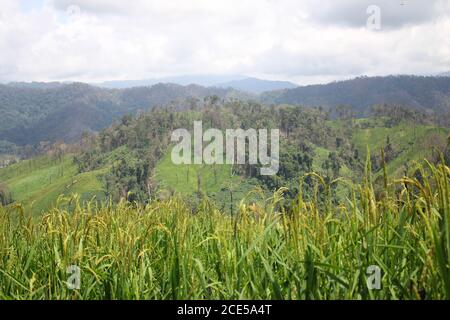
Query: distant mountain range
[257, 86]
[425, 93]
[242, 83]
[201, 80]
[34, 112]
[35, 85]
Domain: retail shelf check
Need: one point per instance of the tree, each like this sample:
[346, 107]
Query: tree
[447, 152]
[345, 112]
[5, 195]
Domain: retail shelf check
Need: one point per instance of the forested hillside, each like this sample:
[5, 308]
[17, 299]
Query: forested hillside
[430, 94]
[37, 112]
[131, 159]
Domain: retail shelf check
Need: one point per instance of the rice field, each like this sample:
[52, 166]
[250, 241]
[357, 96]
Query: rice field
[316, 249]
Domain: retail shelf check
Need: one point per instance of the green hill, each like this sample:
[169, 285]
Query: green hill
[218, 182]
[37, 183]
[407, 142]
[185, 178]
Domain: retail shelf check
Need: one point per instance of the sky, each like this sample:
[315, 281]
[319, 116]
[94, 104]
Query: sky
[303, 41]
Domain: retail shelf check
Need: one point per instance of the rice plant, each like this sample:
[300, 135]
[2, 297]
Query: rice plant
[307, 249]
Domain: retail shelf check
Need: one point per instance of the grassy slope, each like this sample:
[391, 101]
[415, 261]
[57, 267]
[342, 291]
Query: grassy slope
[183, 179]
[411, 144]
[39, 182]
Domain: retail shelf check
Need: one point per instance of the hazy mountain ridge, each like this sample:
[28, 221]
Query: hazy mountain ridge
[202, 80]
[426, 93]
[237, 82]
[257, 86]
[36, 85]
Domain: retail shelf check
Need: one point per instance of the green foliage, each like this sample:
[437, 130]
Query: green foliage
[127, 179]
[428, 94]
[5, 195]
[219, 183]
[403, 143]
[38, 182]
[163, 250]
[131, 159]
[145, 140]
[160, 231]
[31, 114]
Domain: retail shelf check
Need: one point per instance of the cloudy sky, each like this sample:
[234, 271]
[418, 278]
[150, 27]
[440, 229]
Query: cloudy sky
[297, 40]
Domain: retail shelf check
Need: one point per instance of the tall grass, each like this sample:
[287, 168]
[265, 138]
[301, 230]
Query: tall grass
[315, 250]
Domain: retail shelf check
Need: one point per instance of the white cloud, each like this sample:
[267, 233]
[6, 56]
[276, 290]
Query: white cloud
[286, 39]
[395, 13]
